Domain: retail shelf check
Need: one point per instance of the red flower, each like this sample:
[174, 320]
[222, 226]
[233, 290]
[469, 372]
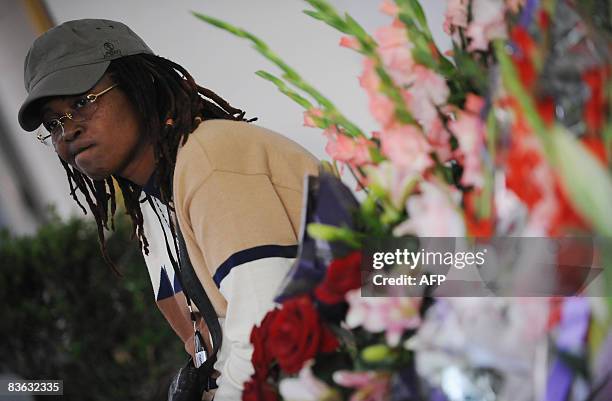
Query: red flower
[597, 148]
[262, 358]
[544, 20]
[477, 227]
[297, 334]
[566, 216]
[257, 390]
[526, 71]
[525, 55]
[594, 108]
[521, 163]
[554, 316]
[524, 42]
[546, 108]
[342, 276]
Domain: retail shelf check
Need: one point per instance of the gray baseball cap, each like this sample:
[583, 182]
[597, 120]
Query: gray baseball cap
[70, 59]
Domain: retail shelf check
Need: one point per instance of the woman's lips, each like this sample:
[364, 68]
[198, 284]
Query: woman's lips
[81, 151]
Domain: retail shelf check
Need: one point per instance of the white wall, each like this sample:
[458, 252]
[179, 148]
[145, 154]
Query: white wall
[16, 36]
[227, 64]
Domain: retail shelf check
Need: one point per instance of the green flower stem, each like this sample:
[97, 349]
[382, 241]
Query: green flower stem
[280, 84]
[587, 183]
[329, 117]
[607, 139]
[332, 233]
[411, 12]
[425, 50]
[369, 212]
[326, 13]
[376, 353]
[289, 74]
[607, 131]
[515, 87]
[486, 204]
[606, 251]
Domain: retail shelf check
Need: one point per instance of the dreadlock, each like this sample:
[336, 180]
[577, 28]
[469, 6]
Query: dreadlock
[171, 106]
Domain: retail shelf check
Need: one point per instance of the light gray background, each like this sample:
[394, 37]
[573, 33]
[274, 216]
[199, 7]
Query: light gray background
[215, 58]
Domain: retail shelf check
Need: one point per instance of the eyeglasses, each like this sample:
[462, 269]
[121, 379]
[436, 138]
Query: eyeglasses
[82, 110]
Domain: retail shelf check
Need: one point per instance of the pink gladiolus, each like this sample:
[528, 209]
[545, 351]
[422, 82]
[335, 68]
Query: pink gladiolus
[427, 90]
[381, 107]
[368, 79]
[468, 128]
[391, 37]
[371, 386]
[433, 213]
[393, 315]
[346, 378]
[306, 387]
[431, 84]
[393, 180]
[395, 51]
[345, 149]
[474, 103]
[488, 23]
[308, 117]
[407, 147]
[361, 151]
[390, 8]
[398, 62]
[515, 5]
[439, 139]
[456, 15]
[350, 42]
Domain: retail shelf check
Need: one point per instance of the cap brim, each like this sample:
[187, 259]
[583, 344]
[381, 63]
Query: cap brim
[69, 81]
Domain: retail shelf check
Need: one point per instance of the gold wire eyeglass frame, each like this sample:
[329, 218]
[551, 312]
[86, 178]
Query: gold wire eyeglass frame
[75, 115]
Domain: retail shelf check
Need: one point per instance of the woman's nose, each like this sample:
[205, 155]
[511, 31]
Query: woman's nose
[72, 130]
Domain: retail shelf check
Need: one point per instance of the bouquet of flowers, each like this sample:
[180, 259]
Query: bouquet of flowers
[509, 134]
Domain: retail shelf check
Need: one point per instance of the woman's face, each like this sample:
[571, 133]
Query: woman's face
[111, 141]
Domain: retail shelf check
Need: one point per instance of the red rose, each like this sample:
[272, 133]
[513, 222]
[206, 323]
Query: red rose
[258, 390]
[261, 358]
[297, 334]
[342, 276]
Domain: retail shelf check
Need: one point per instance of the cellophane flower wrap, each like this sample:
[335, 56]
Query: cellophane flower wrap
[507, 134]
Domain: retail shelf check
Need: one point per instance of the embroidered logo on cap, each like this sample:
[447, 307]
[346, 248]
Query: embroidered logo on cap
[110, 50]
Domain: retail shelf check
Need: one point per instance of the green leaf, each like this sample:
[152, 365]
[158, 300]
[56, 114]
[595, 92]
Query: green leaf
[418, 12]
[280, 84]
[412, 15]
[514, 85]
[323, 6]
[329, 15]
[230, 28]
[606, 252]
[376, 155]
[588, 183]
[290, 75]
[355, 28]
[315, 14]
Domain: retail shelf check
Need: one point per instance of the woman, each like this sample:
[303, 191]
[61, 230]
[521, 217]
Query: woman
[114, 111]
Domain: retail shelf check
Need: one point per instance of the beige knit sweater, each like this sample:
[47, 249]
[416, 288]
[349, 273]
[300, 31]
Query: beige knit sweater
[238, 197]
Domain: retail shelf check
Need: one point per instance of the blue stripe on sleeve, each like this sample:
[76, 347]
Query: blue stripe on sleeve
[251, 254]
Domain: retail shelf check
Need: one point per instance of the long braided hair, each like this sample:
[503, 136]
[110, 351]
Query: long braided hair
[161, 91]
